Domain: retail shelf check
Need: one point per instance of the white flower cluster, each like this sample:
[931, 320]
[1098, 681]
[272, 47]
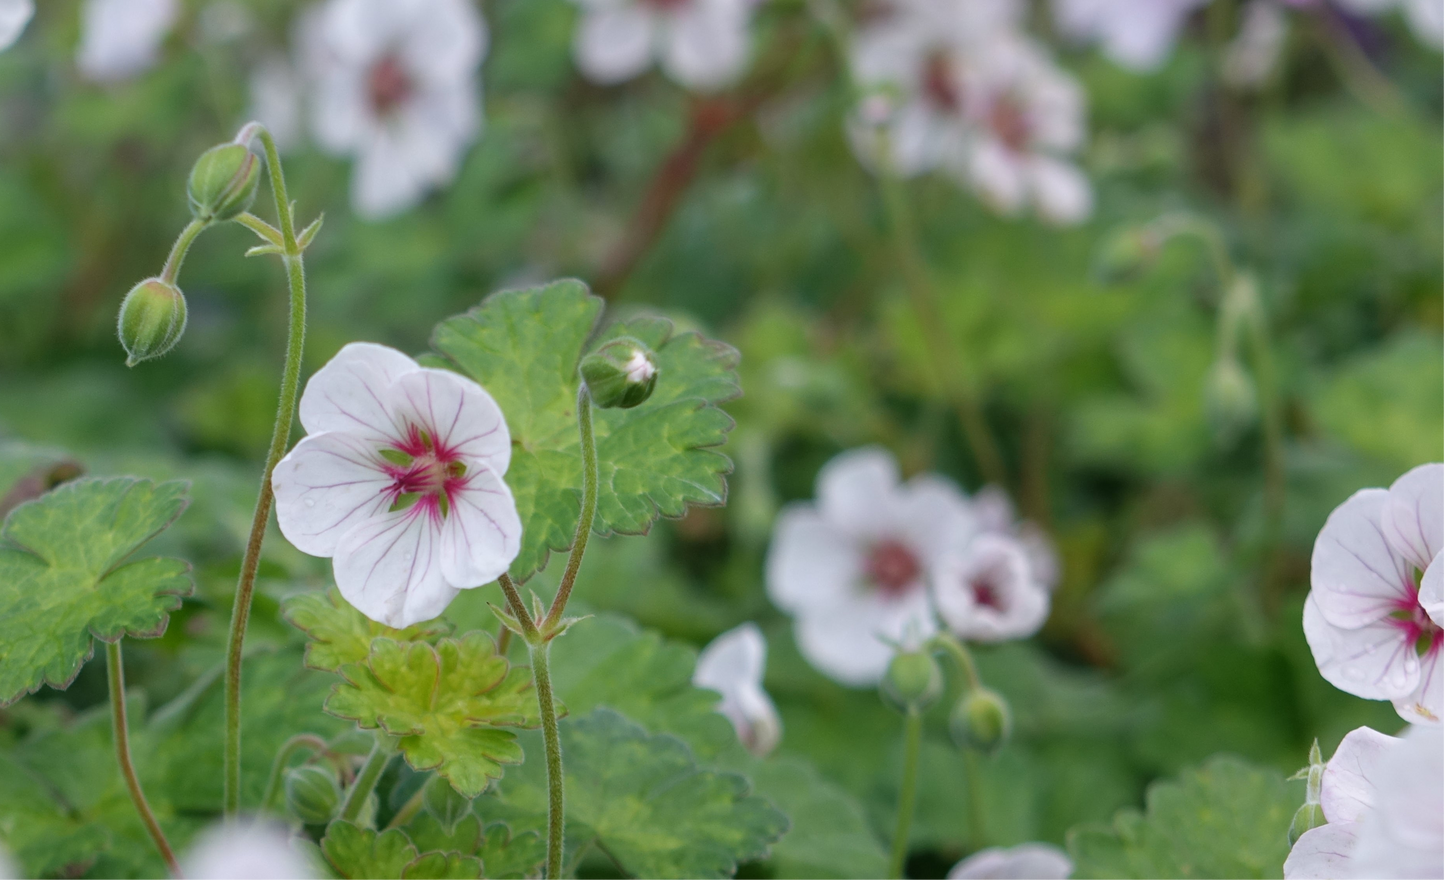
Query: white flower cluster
[876, 561]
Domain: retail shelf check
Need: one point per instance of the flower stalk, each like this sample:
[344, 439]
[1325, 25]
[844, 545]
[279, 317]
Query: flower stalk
[365, 781]
[908, 791]
[115, 667]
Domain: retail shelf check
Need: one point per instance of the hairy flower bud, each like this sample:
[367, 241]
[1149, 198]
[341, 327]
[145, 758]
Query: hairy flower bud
[621, 373]
[223, 182]
[445, 803]
[981, 720]
[312, 793]
[1306, 817]
[913, 681]
[152, 319]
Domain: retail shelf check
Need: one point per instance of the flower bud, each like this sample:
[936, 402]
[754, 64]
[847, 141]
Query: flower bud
[223, 182]
[152, 319]
[981, 720]
[621, 373]
[1127, 254]
[913, 681]
[1229, 398]
[312, 794]
[445, 803]
[1306, 817]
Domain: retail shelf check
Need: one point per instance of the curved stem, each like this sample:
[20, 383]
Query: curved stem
[115, 666]
[961, 655]
[289, 748]
[280, 435]
[178, 250]
[365, 781]
[542, 675]
[409, 809]
[907, 793]
[589, 508]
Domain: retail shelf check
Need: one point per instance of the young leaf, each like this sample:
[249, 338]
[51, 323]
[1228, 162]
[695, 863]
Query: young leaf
[356, 852]
[506, 856]
[443, 866]
[64, 577]
[447, 704]
[339, 634]
[654, 459]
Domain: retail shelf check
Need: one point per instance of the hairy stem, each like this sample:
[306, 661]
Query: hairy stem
[556, 821]
[280, 436]
[290, 747]
[589, 508]
[178, 250]
[907, 792]
[365, 781]
[519, 609]
[115, 666]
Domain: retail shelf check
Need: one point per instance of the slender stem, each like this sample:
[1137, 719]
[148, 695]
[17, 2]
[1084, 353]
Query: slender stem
[280, 436]
[116, 668]
[178, 250]
[556, 822]
[589, 508]
[409, 809]
[974, 780]
[907, 793]
[365, 781]
[504, 641]
[519, 609]
[290, 747]
[961, 655]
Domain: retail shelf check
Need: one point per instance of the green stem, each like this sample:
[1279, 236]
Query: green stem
[280, 436]
[409, 809]
[519, 609]
[961, 655]
[589, 508]
[907, 794]
[290, 747]
[542, 675]
[365, 781]
[115, 666]
[975, 800]
[178, 250]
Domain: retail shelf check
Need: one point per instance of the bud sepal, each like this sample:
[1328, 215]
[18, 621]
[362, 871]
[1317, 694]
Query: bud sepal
[152, 320]
[620, 374]
[223, 183]
[913, 681]
[981, 720]
[312, 794]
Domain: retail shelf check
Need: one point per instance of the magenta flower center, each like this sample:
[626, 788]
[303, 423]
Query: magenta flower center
[423, 473]
[939, 85]
[1414, 624]
[1010, 123]
[388, 85]
[892, 567]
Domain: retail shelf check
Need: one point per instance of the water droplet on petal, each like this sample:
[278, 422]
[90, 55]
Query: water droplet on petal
[309, 501]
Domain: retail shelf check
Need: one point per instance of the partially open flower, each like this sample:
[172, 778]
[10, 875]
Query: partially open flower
[620, 374]
[14, 16]
[732, 664]
[988, 593]
[1027, 861]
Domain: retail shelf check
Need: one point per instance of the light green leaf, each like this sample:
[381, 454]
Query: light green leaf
[654, 459]
[64, 577]
[506, 856]
[1226, 819]
[447, 704]
[355, 852]
[429, 835]
[1386, 403]
[339, 634]
[443, 866]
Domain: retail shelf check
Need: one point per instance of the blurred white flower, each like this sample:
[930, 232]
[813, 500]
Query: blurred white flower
[276, 94]
[257, 850]
[1425, 17]
[1137, 34]
[1364, 619]
[702, 44]
[995, 512]
[1027, 861]
[987, 593]
[121, 38]
[394, 84]
[14, 16]
[852, 568]
[733, 664]
[1251, 56]
[224, 21]
[399, 480]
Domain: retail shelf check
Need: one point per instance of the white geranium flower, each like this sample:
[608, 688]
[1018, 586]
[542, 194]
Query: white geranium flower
[1364, 620]
[1027, 861]
[702, 44]
[852, 568]
[257, 850]
[1137, 34]
[987, 593]
[995, 512]
[395, 85]
[276, 100]
[733, 664]
[1425, 17]
[14, 16]
[121, 38]
[399, 480]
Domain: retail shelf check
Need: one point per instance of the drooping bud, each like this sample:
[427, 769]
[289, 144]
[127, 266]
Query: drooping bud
[445, 803]
[1310, 814]
[312, 793]
[913, 681]
[1127, 254]
[1229, 398]
[1306, 817]
[223, 182]
[981, 720]
[152, 319]
[620, 374]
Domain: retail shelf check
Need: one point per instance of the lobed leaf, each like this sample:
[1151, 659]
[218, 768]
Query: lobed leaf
[339, 634]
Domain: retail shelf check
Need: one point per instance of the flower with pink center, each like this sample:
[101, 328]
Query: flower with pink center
[988, 592]
[399, 481]
[14, 16]
[1027, 861]
[852, 568]
[702, 44]
[122, 38]
[1137, 34]
[732, 664]
[995, 511]
[1372, 618]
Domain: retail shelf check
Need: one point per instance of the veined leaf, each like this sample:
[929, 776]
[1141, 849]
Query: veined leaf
[339, 634]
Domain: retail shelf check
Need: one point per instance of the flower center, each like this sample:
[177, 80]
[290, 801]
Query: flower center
[423, 473]
[892, 567]
[985, 592]
[940, 87]
[388, 85]
[1009, 123]
[1414, 624]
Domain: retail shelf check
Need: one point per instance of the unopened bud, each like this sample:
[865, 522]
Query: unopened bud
[621, 373]
[152, 319]
[223, 182]
[445, 803]
[981, 720]
[1127, 254]
[1229, 399]
[913, 681]
[312, 794]
[1306, 817]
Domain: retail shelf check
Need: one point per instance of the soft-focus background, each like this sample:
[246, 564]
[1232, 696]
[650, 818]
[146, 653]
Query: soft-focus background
[741, 209]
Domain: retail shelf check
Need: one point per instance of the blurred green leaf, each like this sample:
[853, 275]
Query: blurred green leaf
[1387, 403]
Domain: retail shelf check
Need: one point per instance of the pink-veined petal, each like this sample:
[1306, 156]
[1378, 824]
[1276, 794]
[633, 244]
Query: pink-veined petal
[326, 485]
[1432, 590]
[482, 532]
[1375, 661]
[1348, 786]
[811, 564]
[389, 567]
[1414, 517]
[458, 413]
[1404, 835]
[1322, 853]
[1355, 575]
[1425, 704]
[1061, 191]
[350, 394]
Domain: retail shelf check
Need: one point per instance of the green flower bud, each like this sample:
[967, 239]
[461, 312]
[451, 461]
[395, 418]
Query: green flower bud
[312, 793]
[1306, 817]
[913, 681]
[981, 720]
[1229, 399]
[152, 319]
[621, 373]
[1127, 254]
[223, 182]
[445, 803]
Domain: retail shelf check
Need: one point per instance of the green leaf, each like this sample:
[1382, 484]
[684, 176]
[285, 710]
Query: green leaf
[429, 835]
[64, 577]
[1226, 819]
[654, 459]
[446, 703]
[356, 852]
[339, 634]
[506, 856]
[443, 866]
[1386, 403]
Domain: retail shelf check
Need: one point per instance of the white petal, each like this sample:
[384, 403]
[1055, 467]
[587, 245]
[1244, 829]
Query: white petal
[14, 15]
[933, 516]
[1061, 191]
[326, 485]
[1354, 574]
[445, 42]
[1427, 20]
[811, 564]
[755, 718]
[732, 664]
[706, 43]
[389, 567]
[459, 414]
[919, 139]
[1425, 704]
[1322, 853]
[259, 850]
[1432, 596]
[482, 532]
[351, 393]
[613, 44]
[999, 176]
[1374, 661]
[848, 641]
[858, 492]
[341, 117]
[1404, 835]
[120, 38]
[1018, 605]
[1414, 517]
[1028, 861]
[1348, 786]
[387, 180]
[276, 101]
